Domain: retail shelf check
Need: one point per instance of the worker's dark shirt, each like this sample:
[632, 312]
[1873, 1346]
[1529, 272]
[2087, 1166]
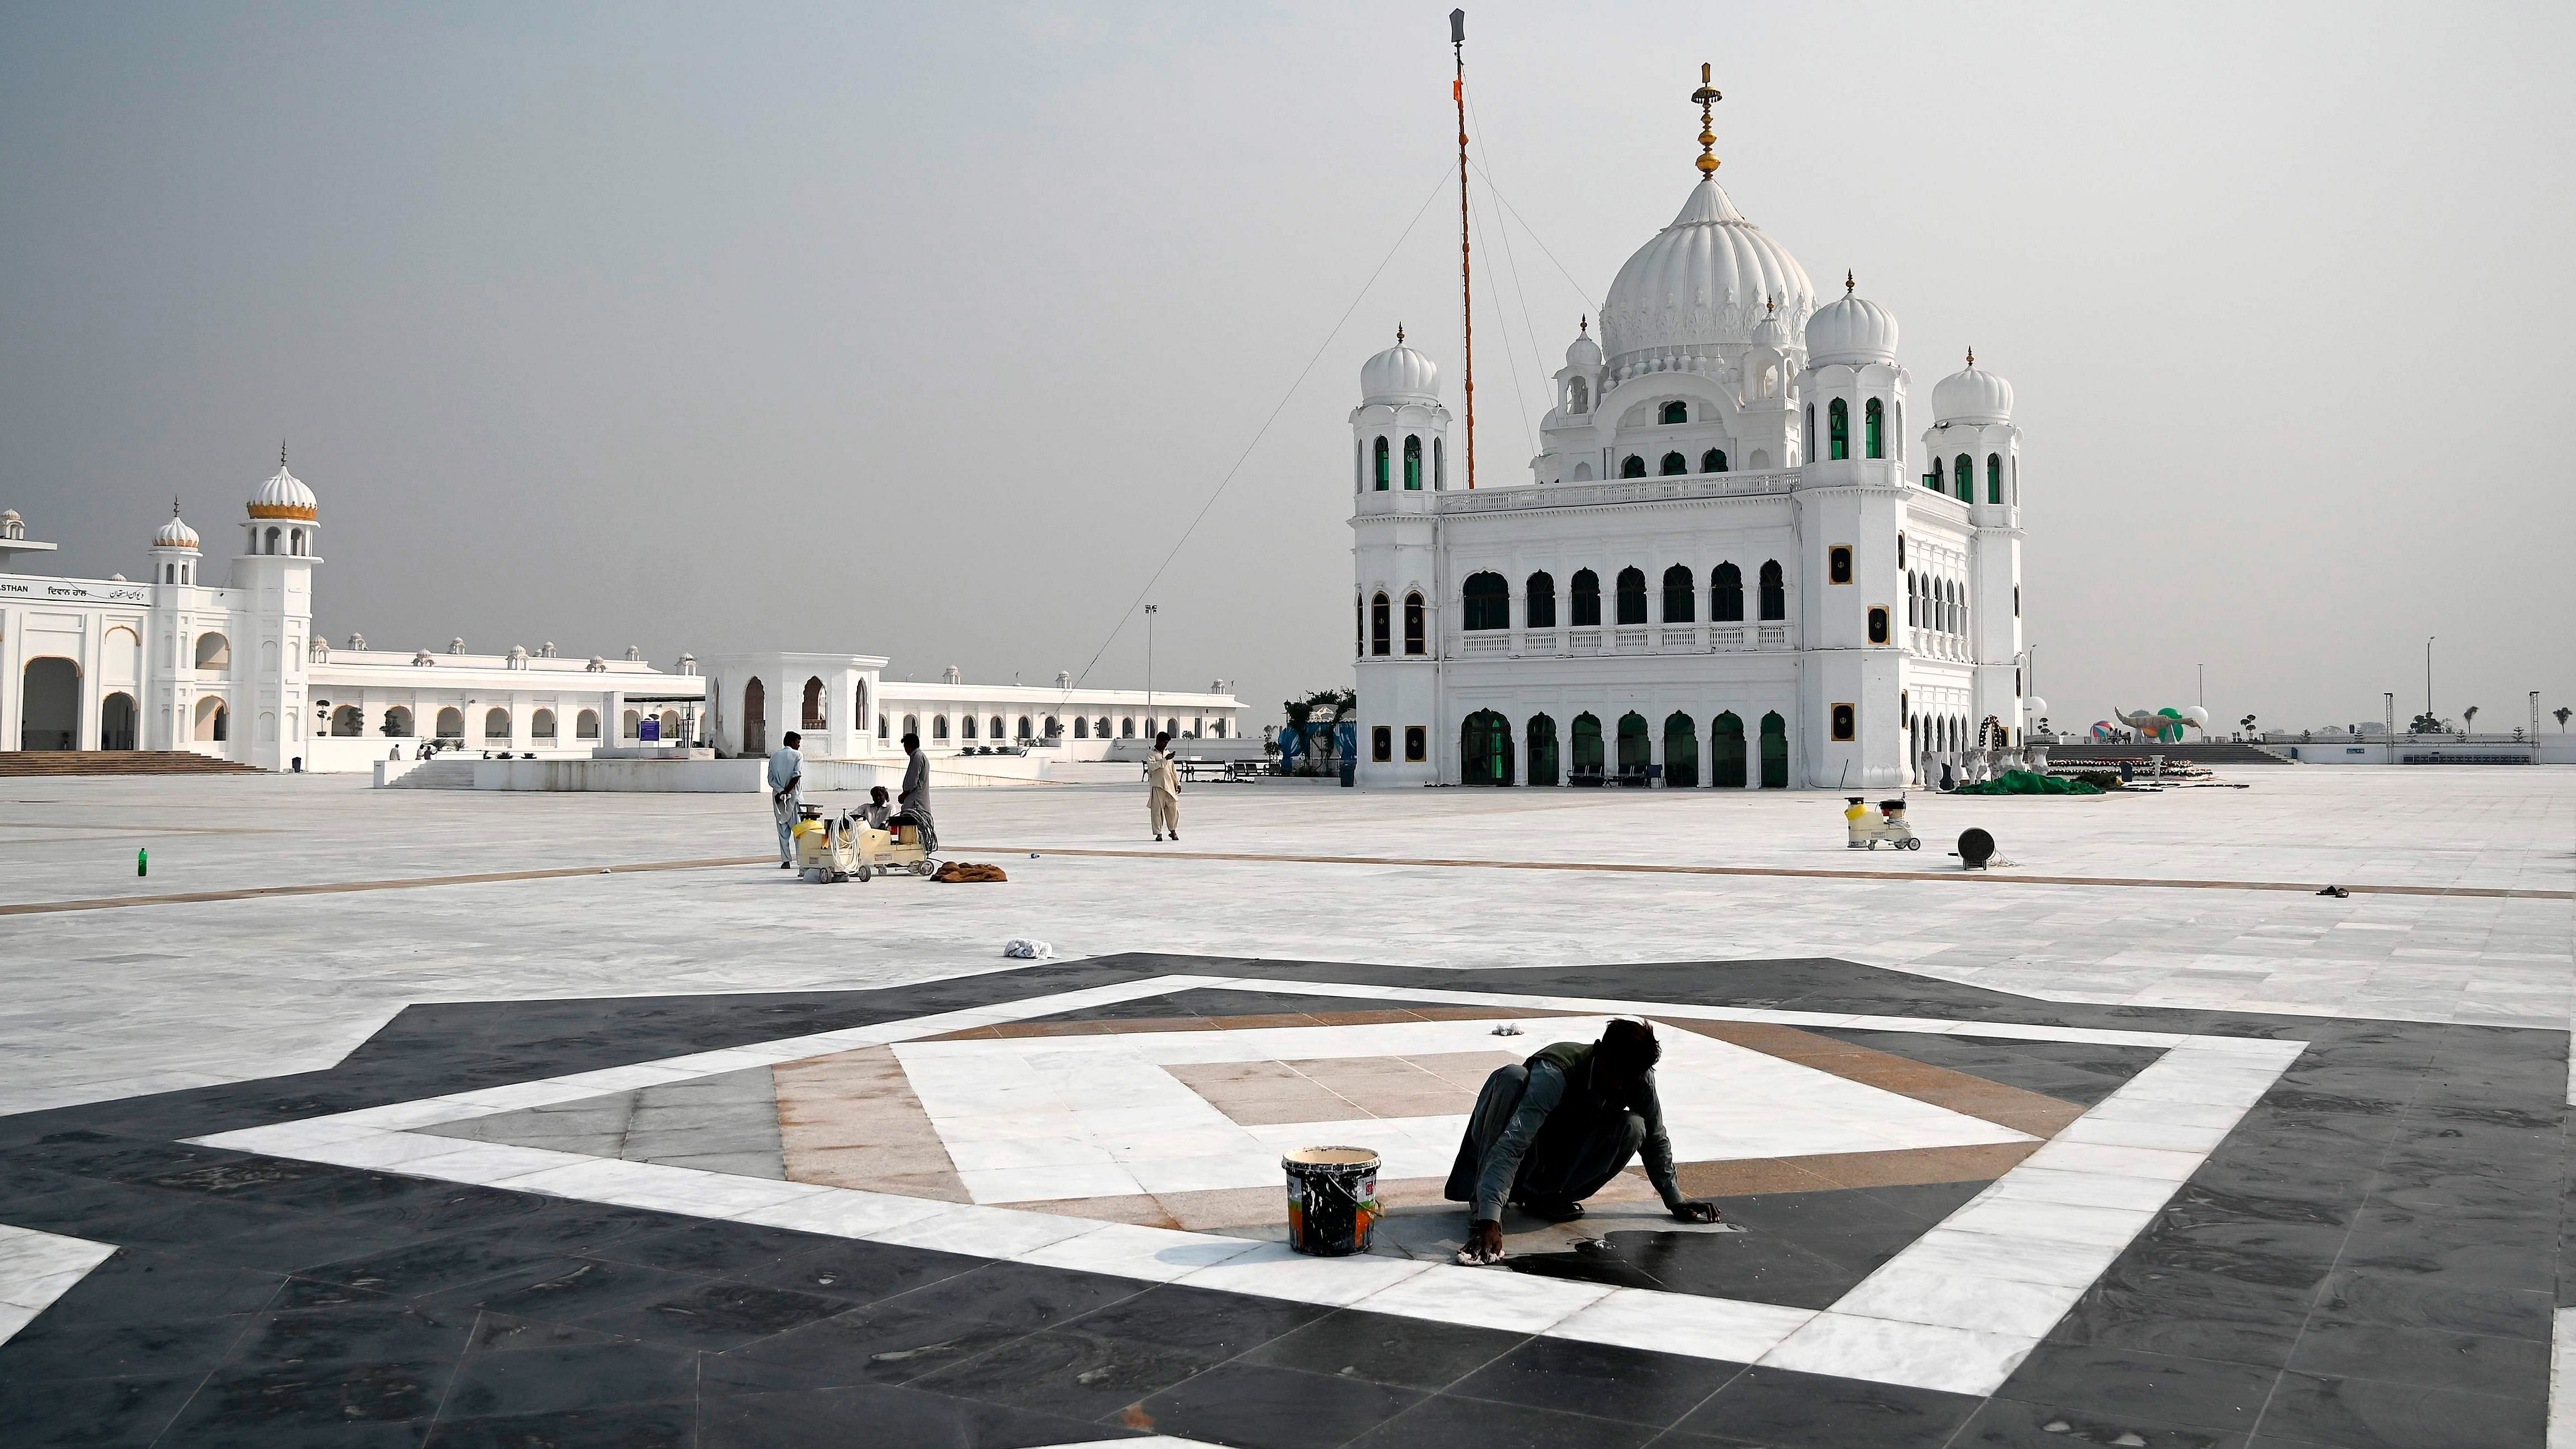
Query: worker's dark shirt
[1549, 1089]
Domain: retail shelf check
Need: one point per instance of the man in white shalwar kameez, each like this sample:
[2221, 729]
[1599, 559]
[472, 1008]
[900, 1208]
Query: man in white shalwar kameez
[786, 777]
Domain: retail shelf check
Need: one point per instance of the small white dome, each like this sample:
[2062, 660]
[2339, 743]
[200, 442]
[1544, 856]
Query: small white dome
[1400, 374]
[1585, 353]
[1851, 329]
[1972, 395]
[283, 496]
[175, 534]
[1771, 332]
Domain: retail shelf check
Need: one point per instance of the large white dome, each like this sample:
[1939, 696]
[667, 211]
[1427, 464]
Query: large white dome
[1851, 329]
[1400, 374]
[1701, 283]
[1972, 395]
[283, 496]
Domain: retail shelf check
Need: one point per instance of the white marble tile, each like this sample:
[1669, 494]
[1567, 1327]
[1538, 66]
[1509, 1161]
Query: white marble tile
[1946, 1250]
[2162, 1136]
[2116, 1161]
[489, 1163]
[845, 1212]
[15, 1316]
[2083, 1189]
[2022, 1219]
[1716, 1328]
[516, 1095]
[985, 1232]
[1485, 1298]
[38, 1267]
[1047, 1184]
[1274, 1270]
[1929, 1356]
[1127, 1250]
[1958, 1300]
[376, 1149]
[663, 1188]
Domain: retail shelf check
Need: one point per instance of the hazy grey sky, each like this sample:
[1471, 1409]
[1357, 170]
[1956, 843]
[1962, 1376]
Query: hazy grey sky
[926, 329]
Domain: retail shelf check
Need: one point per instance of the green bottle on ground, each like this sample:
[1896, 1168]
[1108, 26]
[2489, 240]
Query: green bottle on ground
[143, 861]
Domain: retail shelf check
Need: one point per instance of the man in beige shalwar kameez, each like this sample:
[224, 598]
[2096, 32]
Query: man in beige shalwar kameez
[1163, 789]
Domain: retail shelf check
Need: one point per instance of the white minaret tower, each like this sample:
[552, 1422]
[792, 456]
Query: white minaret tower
[274, 579]
[1978, 450]
[1852, 504]
[1400, 458]
[175, 592]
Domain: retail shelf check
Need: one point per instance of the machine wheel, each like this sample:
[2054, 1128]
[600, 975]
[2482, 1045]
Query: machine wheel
[862, 874]
[1915, 844]
[925, 868]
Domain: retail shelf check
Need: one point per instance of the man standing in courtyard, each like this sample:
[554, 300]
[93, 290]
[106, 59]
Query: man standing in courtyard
[912, 806]
[1163, 788]
[1549, 1132]
[786, 777]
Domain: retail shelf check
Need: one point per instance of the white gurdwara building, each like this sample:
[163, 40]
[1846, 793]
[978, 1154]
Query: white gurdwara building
[1728, 567]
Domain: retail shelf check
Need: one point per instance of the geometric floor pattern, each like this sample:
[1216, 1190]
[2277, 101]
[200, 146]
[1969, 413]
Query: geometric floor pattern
[1965, 1218]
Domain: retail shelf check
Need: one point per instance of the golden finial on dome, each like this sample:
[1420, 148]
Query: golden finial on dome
[281, 454]
[1848, 283]
[1972, 357]
[1399, 334]
[1584, 325]
[1770, 303]
[1707, 95]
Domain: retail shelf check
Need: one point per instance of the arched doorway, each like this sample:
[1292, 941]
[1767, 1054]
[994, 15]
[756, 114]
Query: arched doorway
[214, 720]
[755, 722]
[1726, 752]
[49, 705]
[1485, 749]
[1636, 751]
[813, 703]
[451, 723]
[1587, 744]
[116, 720]
[1775, 752]
[1542, 751]
[1681, 750]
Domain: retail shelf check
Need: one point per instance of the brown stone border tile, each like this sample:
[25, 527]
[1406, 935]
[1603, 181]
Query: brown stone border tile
[2022, 1110]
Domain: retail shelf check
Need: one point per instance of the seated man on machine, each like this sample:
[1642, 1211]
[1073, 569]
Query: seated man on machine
[878, 811]
[1552, 1131]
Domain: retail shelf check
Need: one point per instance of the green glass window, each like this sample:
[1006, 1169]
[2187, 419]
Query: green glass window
[1674, 463]
[1381, 465]
[1542, 750]
[1994, 477]
[1488, 602]
[1635, 467]
[1587, 744]
[1963, 478]
[1775, 752]
[1726, 752]
[1837, 429]
[1676, 412]
[1713, 461]
[1485, 749]
[1413, 464]
[1681, 750]
[1874, 429]
[1636, 750]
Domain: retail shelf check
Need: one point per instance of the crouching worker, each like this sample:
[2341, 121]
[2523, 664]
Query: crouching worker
[1552, 1131]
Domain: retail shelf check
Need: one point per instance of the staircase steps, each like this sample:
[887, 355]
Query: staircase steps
[51, 763]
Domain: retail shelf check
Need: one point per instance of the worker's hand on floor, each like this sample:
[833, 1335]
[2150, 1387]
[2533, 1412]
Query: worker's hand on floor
[1696, 1212]
[1485, 1241]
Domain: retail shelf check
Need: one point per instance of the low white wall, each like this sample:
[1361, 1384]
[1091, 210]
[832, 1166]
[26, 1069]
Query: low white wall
[691, 776]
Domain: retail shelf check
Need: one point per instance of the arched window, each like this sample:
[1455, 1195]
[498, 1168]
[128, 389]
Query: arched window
[451, 723]
[881, 724]
[1487, 602]
[348, 721]
[1632, 596]
[1963, 477]
[214, 651]
[813, 711]
[1381, 465]
[1636, 750]
[1100, 728]
[939, 725]
[912, 725]
[1913, 597]
[670, 726]
[1713, 461]
[1635, 467]
[1838, 429]
[1082, 727]
[1873, 426]
[1900, 550]
[1412, 625]
[1439, 463]
[755, 718]
[1674, 464]
[1540, 607]
[496, 724]
[1542, 750]
[397, 723]
[1681, 751]
[1726, 752]
[585, 725]
[996, 730]
[1775, 595]
[1676, 412]
[1726, 595]
[1775, 752]
[1587, 599]
[1582, 473]
[1681, 595]
[1810, 438]
[1413, 463]
[541, 725]
[966, 727]
[1381, 625]
[1587, 744]
[1024, 732]
[1578, 398]
[1127, 728]
[272, 542]
[295, 542]
[1994, 477]
[1485, 749]
[1359, 626]
[1359, 466]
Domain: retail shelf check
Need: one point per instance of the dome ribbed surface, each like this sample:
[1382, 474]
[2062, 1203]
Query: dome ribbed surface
[283, 496]
[1851, 329]
[1972, 395]
[1400, 374]
[1701, 282]
[175, 534]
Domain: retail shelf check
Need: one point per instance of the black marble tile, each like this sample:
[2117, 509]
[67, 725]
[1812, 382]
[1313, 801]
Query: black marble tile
[2012, 1424]
[2245, 1324]
[1197, 1319]
[503, 1333]
[156, 1287]
[1402, 1352]
[882, 1343]
[1599, 1380]
[435, 1265]
[1446, 1422]
[1812, 1411]
[2472, 1363]
[1018, 1296]
[872, 1416]
[70, 1346]
[715, 1316]
[2410, 1301]
[567, 1289]
[859, 1272]
[714, 1246]
[2164, 1388]
[1259, 1407]
[628, 1426]
[46, 1411]
[1079, 1375]
[2355, 1413]
[358, 1333]
[258, 1399]
[584, 1376]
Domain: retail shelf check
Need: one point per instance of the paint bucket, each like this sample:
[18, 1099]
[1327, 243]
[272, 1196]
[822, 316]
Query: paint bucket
[1332, 1199]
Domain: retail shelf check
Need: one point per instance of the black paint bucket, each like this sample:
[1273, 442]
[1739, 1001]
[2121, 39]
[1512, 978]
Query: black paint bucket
[1332, 1199]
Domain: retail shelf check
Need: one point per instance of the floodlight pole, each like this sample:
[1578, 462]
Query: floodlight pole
[1149, 671]
[1466, 284]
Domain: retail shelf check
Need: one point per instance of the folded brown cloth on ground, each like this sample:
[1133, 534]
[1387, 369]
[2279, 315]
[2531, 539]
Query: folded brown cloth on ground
[962, 870]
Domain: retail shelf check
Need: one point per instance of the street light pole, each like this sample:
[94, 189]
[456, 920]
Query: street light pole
[1149, 671]
[2428, 674]
[2204, 684]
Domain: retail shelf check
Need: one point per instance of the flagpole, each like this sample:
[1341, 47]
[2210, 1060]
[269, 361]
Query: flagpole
[1466, 284]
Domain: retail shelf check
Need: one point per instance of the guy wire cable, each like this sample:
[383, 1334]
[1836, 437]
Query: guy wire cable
[1535, 237]
[1538, 357]
[1264, 429]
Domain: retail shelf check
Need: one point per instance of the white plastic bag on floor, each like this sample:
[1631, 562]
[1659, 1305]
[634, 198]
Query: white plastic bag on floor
[1020, 948]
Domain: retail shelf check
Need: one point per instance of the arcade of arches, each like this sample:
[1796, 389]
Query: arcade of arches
[1627, 749]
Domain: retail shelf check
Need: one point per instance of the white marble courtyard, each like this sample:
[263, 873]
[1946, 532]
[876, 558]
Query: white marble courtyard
[134, 993]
